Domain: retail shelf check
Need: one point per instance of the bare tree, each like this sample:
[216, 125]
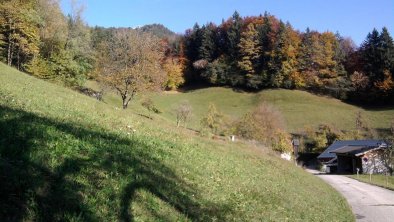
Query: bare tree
[130, 63]
[183, 113]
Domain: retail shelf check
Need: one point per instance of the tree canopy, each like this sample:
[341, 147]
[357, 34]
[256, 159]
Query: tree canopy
[130, 63]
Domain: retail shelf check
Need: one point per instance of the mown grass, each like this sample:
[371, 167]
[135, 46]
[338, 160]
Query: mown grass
[68, 157]
[376, 179]
[300, 109]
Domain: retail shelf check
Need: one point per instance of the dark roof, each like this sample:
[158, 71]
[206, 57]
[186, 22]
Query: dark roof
[348, 145]
[354, 150]
[348, 149]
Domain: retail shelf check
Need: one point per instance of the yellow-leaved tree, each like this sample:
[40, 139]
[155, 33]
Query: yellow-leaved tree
[174, 69]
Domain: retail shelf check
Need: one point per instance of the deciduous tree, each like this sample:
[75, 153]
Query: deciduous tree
[130, 63]
[174, 69]
[249, 51]
[19, 27]
[213, 119]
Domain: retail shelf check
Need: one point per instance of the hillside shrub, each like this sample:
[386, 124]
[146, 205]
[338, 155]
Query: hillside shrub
[265, 124]
[149, 105]
[183, 113]
[213, 120]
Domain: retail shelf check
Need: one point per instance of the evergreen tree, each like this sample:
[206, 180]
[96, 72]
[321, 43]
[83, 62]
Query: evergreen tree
[193, 40]
[266, 37]
[208, 48]
[277, 58]
[234, 36]
[371, 56]
[386, 50]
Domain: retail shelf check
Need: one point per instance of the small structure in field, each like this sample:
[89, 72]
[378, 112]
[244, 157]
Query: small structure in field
[286, 156]
[346, 156]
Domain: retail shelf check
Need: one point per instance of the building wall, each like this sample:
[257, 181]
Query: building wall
[372, 163]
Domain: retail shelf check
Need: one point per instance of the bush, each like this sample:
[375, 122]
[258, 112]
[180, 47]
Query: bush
[183, 113]
[150, 106]
[265, 124]
[282, 142]
[261, 124]
[213, 120]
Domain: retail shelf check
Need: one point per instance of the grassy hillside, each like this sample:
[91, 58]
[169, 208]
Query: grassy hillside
[65, 156]
[299, 108]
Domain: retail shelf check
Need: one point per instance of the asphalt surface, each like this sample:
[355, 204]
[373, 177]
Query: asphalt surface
[368, 202]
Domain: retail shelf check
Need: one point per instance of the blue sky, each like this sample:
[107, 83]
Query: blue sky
[354, 18]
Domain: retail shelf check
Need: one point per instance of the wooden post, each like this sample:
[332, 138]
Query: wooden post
[370, 177]
[387, 179]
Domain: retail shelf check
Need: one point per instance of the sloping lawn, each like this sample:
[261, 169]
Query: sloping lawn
[68, 157]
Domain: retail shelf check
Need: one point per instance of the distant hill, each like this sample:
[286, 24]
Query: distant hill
[158, 30]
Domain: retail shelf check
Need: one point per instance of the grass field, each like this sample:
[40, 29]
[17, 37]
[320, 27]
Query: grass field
[299, 108]
[68, 157]
[376, 179]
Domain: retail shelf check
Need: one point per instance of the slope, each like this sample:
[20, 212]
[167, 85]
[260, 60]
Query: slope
[299, 108]
[64, 156]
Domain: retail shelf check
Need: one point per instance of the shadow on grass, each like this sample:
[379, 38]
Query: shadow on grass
[49, 170]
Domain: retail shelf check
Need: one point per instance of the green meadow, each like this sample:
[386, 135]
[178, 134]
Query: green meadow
[68, 157]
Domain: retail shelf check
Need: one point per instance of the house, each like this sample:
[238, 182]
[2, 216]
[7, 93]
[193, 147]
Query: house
[348, 156]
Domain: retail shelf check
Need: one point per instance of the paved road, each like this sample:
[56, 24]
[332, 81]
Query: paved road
[368, 202]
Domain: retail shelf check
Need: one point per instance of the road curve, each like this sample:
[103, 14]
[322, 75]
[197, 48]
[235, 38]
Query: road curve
[368, 202]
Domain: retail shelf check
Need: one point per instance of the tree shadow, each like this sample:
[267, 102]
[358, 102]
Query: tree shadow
[40, 167]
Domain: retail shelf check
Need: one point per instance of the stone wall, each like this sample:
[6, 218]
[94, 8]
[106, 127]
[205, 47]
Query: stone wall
[372, 163]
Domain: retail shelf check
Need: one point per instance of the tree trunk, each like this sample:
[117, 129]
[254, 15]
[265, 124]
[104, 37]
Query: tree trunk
[125, 103]
[18, 59]
[9, 53]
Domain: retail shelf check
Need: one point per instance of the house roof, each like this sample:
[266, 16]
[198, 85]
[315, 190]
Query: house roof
[354, 150]
[349, 146]
[348, 149]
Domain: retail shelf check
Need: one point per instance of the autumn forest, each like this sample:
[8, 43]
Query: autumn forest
[251, 53]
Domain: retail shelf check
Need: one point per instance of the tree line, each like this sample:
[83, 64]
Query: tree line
[254, 52]
[260, 52]
[37, 38]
